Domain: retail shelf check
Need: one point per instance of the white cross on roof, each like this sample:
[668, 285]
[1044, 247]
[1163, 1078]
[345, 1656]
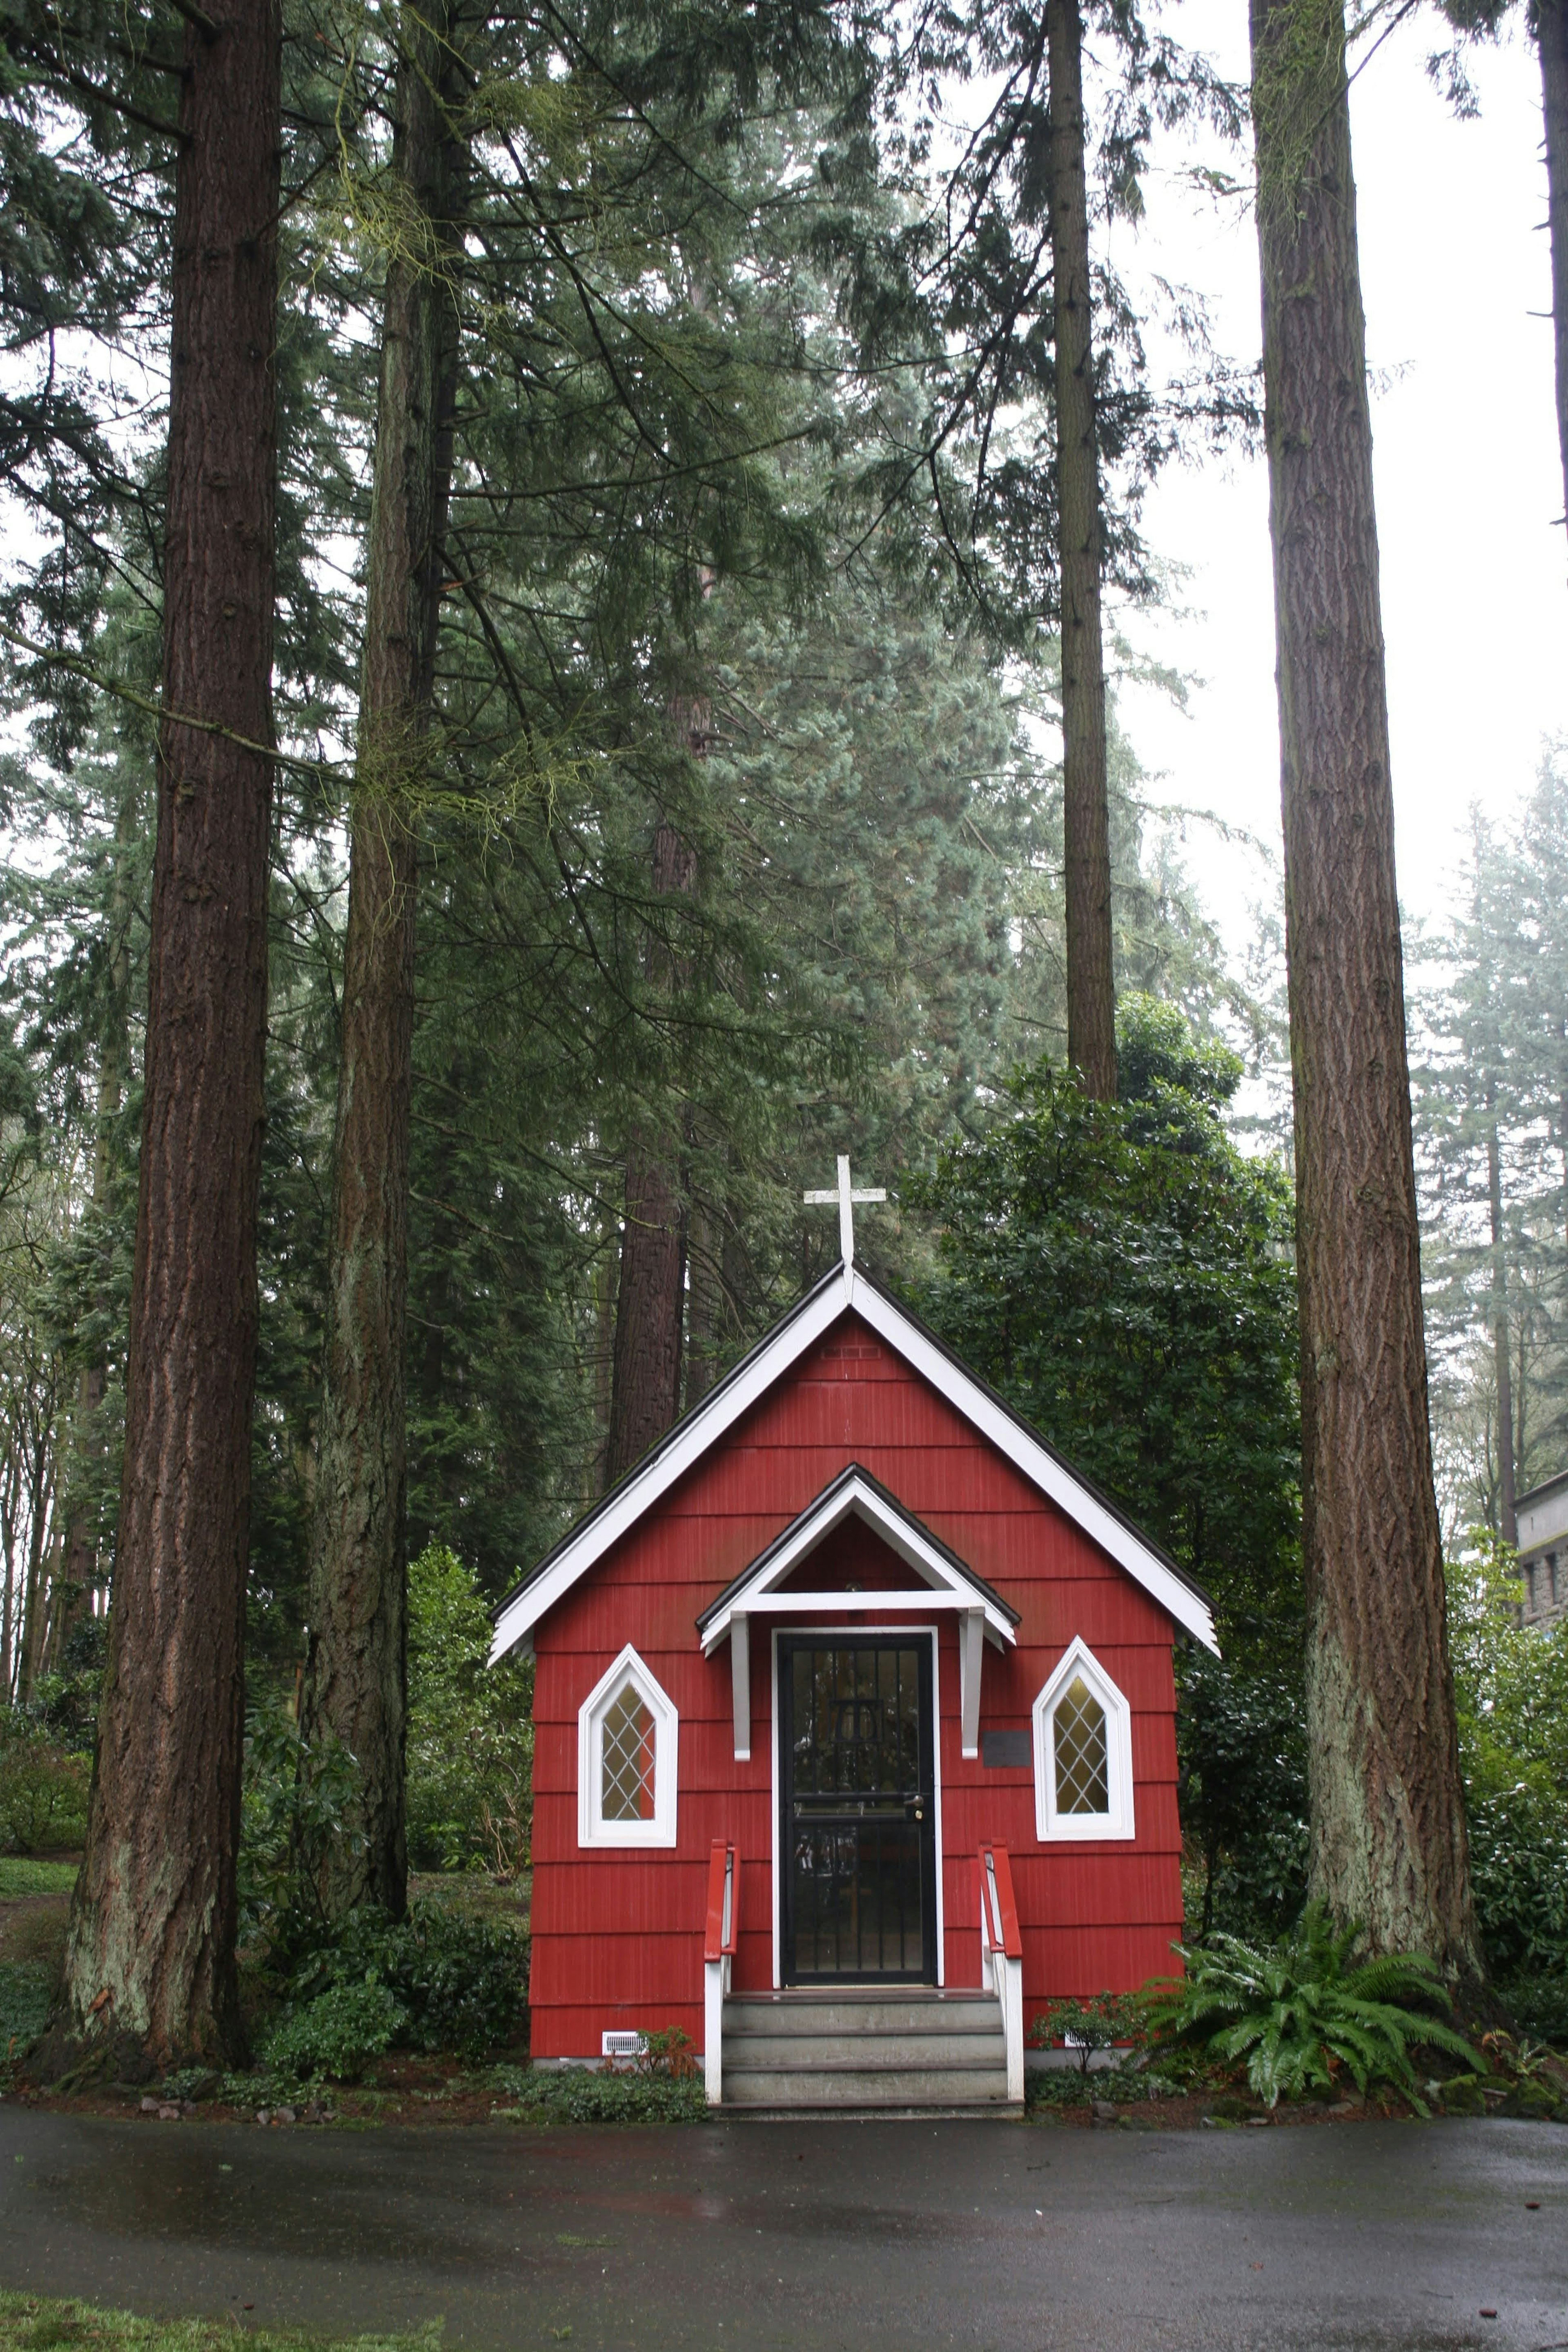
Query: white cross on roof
[844, 1193]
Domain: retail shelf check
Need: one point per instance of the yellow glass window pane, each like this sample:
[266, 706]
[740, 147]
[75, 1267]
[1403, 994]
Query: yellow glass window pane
[1082, 1751]
[627, 1779]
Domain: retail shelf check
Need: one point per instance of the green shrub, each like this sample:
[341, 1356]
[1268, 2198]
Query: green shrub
[337, 2034]
[460, 1982]
[470, 1727]
[1107, 2022]
[579, 2095]
[43, 1795]
[1244, 1798]
[1538, 2004]
[1298, 2014]
[294, 1799]
[1519, 1875]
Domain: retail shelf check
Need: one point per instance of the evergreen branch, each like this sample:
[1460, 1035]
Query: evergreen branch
[55, 69]
[121, 692]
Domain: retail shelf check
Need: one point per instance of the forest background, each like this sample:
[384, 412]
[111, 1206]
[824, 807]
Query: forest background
[736, 559]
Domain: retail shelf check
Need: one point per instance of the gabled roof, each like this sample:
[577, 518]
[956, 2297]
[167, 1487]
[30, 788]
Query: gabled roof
[849, 1289]
[854, 1493]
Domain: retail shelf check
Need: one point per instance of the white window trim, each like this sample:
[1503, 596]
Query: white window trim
[592, 1830]
[1050, 1825]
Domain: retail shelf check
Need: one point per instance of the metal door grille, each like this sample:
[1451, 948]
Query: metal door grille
[858, 1827]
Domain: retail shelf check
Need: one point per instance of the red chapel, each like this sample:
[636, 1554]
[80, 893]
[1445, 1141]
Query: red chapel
[855, 1733]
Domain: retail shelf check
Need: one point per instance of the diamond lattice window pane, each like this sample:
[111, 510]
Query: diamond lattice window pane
[626, 1781]
[1083, 1765]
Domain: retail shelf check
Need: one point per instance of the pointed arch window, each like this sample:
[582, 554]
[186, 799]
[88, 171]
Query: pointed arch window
[1083, 1752]
[627, 1730]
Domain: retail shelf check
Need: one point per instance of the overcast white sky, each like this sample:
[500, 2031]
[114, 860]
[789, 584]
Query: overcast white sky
[1475, 574]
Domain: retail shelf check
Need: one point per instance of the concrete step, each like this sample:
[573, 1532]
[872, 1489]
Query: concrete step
[923, 2112]
[795, 2050]
[915, 2088]
[854, 2012]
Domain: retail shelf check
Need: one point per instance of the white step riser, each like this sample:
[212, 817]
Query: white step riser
[864, 2050]
[868, 2087]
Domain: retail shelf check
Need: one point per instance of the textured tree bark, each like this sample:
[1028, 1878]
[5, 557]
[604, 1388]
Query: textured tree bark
[606, 1286]
[1090, 977]
[645, 1388]
[704, 1302]
[34, 1619]
[150, 1956]
[1388, 1821]
[356, 1683]
[1508, 1518]
[1551, 33]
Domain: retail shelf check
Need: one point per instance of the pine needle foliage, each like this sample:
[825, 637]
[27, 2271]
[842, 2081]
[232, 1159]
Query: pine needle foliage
[1300, 2014]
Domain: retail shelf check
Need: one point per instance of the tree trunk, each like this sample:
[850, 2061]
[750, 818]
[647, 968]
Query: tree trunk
[1388, 1822]
[645, 1392]
[704, 1304]
[10, 1502]
[1508, 1518]
[1552, 32]
[1090, 980]
[356, 1666]
[606, 1286]
[36, 1610]
[80, 1573]
[150, 1956]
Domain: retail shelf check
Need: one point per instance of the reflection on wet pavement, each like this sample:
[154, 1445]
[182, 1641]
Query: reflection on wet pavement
[873, 2236]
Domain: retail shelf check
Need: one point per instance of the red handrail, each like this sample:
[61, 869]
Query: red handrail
[723, 1876]
[997, 1896]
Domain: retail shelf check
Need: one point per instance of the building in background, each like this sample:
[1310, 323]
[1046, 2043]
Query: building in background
[1543, 1550]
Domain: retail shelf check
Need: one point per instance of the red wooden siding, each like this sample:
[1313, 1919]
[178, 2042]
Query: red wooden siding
[617, 1932]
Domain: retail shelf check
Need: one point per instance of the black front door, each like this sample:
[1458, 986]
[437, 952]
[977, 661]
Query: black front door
[859, 1828]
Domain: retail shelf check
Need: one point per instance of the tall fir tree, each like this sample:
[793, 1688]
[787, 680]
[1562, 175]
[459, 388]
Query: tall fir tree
[150, 1958]
[1090, 980]
[1388, 1821]
[354, 1686]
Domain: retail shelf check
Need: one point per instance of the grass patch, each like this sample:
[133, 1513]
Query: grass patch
[27, 1992]
[32, 2323]
[20, 1874]
[579, 2095]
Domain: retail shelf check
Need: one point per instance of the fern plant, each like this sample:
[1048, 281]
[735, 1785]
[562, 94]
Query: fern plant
[1298, 2010]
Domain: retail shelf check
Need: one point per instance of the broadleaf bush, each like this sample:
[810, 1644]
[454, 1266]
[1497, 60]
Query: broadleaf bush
[470, 1727]
[43, 1795]
[460, 1982]
[1519, 1875]
[1299, 2014]
[1109, 2022]
[294, 1805]
[334, 2036]
[584, 2094]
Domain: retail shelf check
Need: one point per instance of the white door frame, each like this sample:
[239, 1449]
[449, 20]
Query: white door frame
[837, 1633]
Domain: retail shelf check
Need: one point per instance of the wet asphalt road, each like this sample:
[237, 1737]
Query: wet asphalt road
[862, 2236]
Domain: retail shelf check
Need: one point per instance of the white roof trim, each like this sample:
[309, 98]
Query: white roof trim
[1038, 1464]
[702, 1429]
[690, 1442]
[944, 1585]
